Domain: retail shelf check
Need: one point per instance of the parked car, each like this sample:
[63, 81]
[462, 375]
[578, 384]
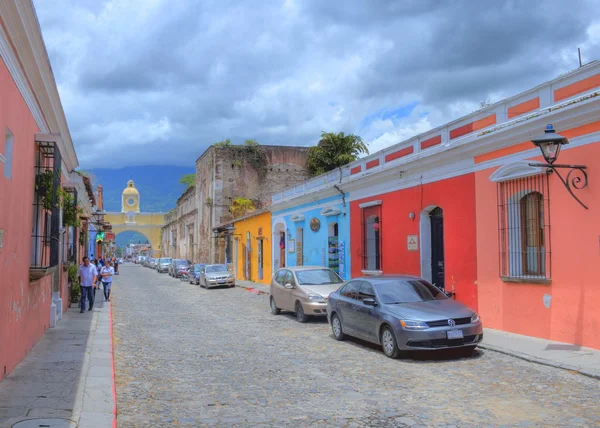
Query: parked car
[154, 264]
[195, 273]
[150, 262]
[216, 275]
[176, 266]
[163, 264]
[303, 290]
[401, 313]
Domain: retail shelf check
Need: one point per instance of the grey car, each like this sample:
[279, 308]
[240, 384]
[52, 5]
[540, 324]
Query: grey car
[215, 276]
[402, 313]
[163, 264]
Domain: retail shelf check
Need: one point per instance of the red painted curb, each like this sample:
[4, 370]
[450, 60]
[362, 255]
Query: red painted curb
[255, 291]
[112, 358]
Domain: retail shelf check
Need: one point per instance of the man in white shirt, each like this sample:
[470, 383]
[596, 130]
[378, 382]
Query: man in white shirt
[107, 273]
[87, 280]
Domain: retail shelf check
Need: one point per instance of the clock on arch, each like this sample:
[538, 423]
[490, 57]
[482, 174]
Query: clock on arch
[130, 202]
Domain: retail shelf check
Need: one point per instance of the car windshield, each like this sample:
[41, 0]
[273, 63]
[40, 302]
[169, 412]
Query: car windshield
[181, 262]
[198, 268]
[216, 268]
[317, 277]
[165, 260]
[407, 291]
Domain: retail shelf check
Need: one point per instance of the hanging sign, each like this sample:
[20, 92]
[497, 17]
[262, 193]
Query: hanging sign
[342, 257]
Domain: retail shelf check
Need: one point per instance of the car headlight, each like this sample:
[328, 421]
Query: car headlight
[413, 325]
[230, 277]
[316, 298]
[475, 318]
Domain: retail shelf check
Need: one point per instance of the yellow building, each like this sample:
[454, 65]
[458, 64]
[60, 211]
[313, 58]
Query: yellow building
[131, 219]
[252, 249]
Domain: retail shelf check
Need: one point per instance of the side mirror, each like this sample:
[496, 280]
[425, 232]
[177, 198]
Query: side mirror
[370, 302]
[288, 286]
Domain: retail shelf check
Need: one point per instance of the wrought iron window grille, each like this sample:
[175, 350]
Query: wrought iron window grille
[524, 229]
[45, 236]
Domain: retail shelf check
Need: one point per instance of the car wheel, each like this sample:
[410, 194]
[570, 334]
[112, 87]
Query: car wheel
[274, 309]
[336, 327]
[388, 343]
[300, 315]
[232, 286]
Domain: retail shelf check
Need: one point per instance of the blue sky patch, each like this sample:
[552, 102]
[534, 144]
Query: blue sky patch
[393, 114]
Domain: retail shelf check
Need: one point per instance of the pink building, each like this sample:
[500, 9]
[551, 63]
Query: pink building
[36, 158]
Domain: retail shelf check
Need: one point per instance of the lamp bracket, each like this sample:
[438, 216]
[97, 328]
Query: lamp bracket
[578, 182]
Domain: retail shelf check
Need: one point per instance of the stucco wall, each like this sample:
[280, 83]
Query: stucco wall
[251, 225]
[315, 249]
[572, 314]
[456, 196]
[24, 306]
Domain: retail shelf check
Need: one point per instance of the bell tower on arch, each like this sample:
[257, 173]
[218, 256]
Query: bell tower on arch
[130, 199]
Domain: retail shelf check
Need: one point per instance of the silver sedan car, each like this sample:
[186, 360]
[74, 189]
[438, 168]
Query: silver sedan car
[401, 313]
[216, 276]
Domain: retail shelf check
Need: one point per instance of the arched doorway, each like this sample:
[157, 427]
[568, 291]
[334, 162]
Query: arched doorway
[432, 246]
[279, 243]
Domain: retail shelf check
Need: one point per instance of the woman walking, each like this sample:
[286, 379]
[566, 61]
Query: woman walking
[107, 273]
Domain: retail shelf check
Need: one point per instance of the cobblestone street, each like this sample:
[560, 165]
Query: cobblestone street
[186, 355]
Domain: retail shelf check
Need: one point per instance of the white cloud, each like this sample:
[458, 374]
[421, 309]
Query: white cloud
[158, 81]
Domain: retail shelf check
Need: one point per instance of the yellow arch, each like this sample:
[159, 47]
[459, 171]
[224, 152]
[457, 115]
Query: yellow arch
[148, 224]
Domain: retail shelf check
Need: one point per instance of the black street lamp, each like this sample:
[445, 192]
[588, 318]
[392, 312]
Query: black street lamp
[98, 217]
[550, 144]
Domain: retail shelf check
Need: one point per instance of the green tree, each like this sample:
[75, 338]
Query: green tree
[334, 151]
[188, 180]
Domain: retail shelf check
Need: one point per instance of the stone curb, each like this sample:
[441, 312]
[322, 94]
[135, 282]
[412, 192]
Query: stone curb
[582, 371]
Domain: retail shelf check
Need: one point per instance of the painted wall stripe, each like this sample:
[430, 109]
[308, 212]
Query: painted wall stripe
[577, 88]
[373, 163]
[461, 130]
[398, 154]
[484, 122]
[431, 142]
[524, 107]
[355, 170]
[526, 145]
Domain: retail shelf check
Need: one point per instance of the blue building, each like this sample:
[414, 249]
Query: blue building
[311, 231]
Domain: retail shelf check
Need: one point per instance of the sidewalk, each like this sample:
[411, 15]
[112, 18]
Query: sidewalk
[585, 361]
[67, 379]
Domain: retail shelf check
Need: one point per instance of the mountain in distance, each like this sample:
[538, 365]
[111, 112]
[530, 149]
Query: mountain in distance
[158, 185]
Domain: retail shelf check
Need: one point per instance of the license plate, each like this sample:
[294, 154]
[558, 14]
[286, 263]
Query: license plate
[455, 334]
[221, 281]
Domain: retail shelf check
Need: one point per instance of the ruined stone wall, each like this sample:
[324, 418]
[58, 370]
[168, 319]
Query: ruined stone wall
[226, 173]
[204, 196]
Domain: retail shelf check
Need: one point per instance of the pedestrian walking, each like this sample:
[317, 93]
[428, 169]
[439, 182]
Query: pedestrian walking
[88, 275]
[107, 273]
[116, 266]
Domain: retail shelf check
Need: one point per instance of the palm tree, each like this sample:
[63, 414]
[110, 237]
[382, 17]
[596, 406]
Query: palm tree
[334, 151]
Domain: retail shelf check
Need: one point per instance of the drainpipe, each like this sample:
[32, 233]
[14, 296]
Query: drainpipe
[343, 197]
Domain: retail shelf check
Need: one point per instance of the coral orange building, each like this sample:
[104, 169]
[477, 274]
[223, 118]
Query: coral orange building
[36, 159]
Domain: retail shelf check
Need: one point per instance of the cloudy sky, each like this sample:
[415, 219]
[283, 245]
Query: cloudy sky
[155, 82]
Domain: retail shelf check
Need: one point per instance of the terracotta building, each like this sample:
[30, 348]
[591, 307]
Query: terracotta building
[226, 174]
[37, 158]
